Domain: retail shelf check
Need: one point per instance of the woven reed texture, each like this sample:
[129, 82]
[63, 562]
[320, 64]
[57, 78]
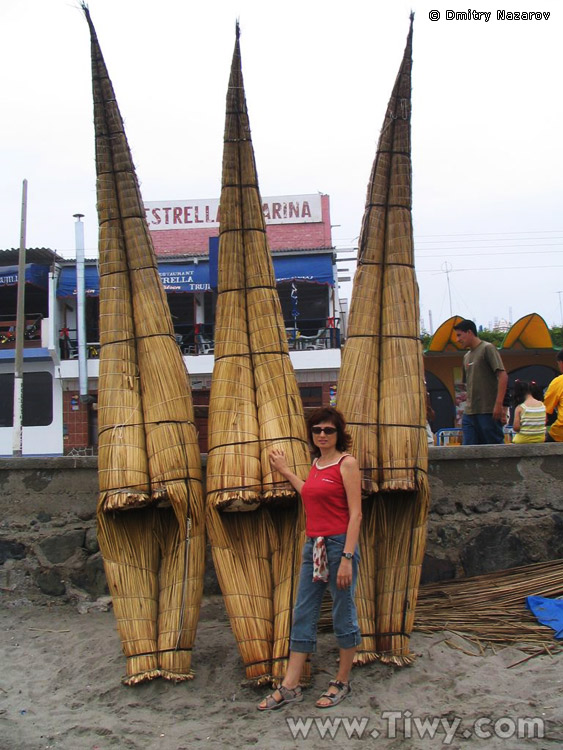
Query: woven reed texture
[130, 551]
[254, 402]
[254, 406]
[180, 591]
[241, 548]
[365, 589]
[381, 385]
[155, 371]
[399, 551]
[382, 394]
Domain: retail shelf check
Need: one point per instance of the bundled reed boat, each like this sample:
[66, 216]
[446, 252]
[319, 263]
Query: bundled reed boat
[255, 520]
[382, 394]
[150, 514]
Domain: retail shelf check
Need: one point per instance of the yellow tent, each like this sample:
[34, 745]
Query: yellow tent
[530, 332]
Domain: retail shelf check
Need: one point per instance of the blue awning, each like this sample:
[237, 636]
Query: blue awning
[315, 269]
[175, 277]
[200, 276]
[35, 274]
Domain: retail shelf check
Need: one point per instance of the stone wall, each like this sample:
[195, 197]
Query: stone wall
[492, 507]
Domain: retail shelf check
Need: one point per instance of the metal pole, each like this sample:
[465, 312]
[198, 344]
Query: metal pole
[560, 308]
[81, 309]
[17, 434]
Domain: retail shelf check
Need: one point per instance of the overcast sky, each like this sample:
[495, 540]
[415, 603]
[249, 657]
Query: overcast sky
[486, 125]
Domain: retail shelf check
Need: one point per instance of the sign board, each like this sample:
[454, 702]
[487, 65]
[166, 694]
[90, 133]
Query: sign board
[204, 214]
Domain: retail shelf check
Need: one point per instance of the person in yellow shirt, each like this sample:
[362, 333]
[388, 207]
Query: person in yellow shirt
[553, 399]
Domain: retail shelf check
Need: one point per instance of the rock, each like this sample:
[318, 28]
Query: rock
[10, 550]
[43, 517]
[442, 506]
[555, 544]
[436, 569]
[91, 577]
[493, 548]
[59, 547]
[102, 604]
[91, 541]
[49, 581]
[86, 515]
[37, 481]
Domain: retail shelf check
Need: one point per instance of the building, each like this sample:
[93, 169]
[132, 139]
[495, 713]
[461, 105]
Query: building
[57, 419]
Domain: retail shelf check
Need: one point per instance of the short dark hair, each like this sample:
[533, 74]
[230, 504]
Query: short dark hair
[466, 325]
[560, 356]
[332, 415]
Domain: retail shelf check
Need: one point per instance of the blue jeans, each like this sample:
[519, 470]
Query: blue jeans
[310, 595]
[481, 429]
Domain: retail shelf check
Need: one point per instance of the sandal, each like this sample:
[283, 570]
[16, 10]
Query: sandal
[288, 695]
[343, 690]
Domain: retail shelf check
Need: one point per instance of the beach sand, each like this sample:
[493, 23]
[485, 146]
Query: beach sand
[60, 688]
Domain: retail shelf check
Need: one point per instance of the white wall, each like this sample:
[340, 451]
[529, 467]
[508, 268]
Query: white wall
[43, 441]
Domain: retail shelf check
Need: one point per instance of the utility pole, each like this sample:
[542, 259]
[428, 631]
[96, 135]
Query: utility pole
[17, 433]
[560, 308]
[446, 268]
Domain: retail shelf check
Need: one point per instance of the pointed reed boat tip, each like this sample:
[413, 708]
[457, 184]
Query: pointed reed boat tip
[237, 29]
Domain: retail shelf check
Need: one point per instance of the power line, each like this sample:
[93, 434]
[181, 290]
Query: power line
[481, 234]
[510, 252]
[491, 268]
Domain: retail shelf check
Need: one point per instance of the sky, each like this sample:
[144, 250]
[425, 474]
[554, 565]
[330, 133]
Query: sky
[486, 125]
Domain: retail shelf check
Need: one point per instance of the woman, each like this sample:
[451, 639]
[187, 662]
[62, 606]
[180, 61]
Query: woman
[332, 500]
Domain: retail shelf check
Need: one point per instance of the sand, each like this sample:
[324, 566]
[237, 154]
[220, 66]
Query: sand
[60, 688]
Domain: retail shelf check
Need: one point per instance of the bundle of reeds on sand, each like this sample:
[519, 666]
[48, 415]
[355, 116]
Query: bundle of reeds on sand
[254, 406]
[382, 394]
[488, 609]
[154, 558]
[491, 608]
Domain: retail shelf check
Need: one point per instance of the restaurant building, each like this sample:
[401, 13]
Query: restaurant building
[58, 419]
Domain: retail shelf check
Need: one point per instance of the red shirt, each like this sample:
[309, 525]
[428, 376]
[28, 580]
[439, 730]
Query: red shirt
[325, 501]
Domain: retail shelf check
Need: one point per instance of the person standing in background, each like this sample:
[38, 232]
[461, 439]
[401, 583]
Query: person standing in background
[553, 399]
[486, 381]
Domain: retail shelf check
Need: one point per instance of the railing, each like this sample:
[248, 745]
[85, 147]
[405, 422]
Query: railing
[32, 330]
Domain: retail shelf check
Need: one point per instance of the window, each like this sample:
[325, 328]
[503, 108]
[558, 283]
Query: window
[37, 399]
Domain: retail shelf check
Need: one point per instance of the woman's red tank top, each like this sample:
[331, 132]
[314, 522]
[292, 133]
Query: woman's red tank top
[324, 498]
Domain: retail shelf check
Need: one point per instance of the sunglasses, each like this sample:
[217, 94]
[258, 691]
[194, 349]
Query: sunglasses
[326, 430]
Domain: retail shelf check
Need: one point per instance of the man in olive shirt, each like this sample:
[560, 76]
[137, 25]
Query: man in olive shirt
[553, 399]
[486, 381]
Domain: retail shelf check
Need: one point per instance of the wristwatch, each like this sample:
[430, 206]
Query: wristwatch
[348, 555]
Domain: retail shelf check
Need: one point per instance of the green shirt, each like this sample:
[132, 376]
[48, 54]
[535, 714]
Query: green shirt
[481, 366]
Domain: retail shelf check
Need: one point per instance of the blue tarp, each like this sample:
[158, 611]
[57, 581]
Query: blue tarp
[201, 276]
[317, 269]
[547, 611]
[34, 274]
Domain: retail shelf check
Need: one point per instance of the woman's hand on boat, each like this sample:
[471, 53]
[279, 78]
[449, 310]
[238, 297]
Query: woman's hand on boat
[278, 461]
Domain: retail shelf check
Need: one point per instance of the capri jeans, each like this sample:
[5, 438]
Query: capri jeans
[307, 610]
